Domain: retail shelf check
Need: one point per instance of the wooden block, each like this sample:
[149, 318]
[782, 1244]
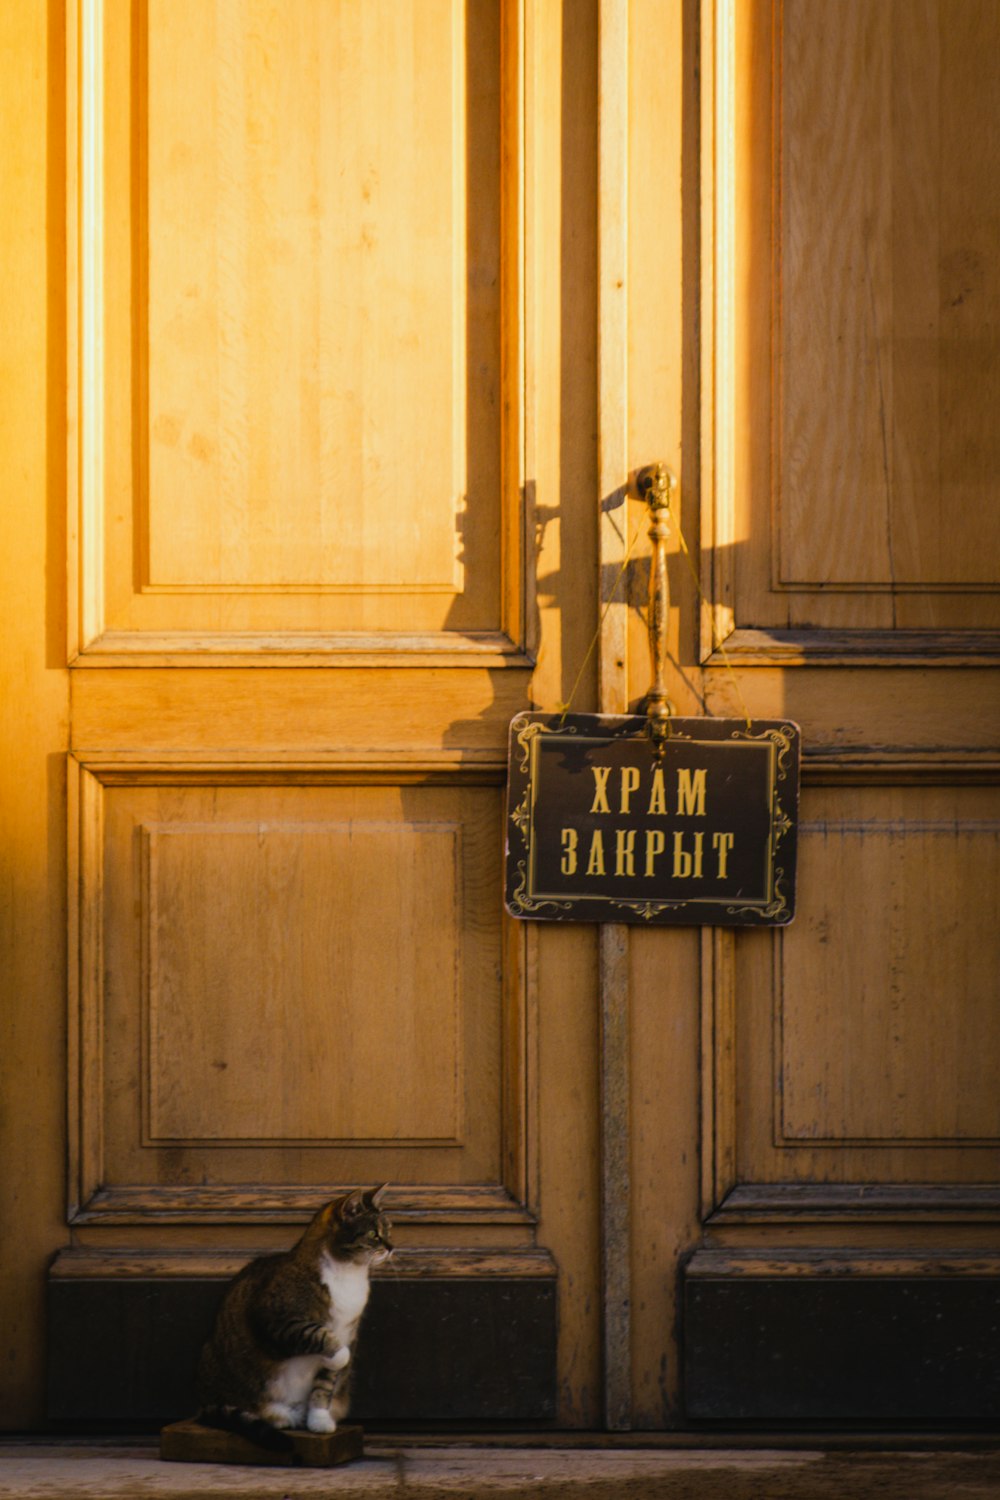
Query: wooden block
[191, 1443]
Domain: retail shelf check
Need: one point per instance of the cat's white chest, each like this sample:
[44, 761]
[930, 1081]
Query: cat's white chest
[348, 1288]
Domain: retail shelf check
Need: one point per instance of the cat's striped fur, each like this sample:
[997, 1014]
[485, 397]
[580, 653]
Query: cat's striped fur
[281, 1350]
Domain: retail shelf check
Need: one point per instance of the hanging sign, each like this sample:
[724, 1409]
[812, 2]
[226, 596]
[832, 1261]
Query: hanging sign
[606, 824]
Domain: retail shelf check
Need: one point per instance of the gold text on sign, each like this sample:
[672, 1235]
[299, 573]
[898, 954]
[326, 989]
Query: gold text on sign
[687, 856]
[690, 786]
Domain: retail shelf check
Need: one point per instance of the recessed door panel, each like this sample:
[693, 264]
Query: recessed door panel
[304, 985]
[292, 326]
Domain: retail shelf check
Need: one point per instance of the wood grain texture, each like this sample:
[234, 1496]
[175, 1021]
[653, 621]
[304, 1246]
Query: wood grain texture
[874, 1057]
[562, 477]
[612, 649]
[822, 1262]
[304, 387]
[246, 900]
[87, 1264]
[856, 449]
[857, 648]
[889, 293]
[718, 1067]
[236, 1205]
[887, 1013]
[314, 957]
[268, 461]
[861, 1203]
[353, 711]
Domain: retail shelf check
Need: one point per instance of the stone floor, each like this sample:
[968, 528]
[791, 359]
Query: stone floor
[946, 1469]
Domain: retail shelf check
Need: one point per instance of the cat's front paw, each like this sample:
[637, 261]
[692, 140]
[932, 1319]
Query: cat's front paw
[338, 1359]
[278, 1414]
[320, 1420]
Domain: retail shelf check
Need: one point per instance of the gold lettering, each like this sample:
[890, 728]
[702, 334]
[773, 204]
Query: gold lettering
[570, 839]
[691, 792]
[723, 842]
[699, 840]
[601, 774]
[656, 842]
[682, 859]
[658, 794]
[630, 780]
[595, 864]
[624, 851]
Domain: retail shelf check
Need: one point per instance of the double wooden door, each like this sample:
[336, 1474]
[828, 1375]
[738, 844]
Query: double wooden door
[359, 316]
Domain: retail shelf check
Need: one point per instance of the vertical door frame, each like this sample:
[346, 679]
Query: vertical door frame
[613, 469]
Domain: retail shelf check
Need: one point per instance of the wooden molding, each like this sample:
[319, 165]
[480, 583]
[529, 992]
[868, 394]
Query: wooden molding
[718, 235]
[861, 767]
[519, 1077]
[613, 691]
[290, 768]
[88, 213]
[90, 1197]
[271, 1203]
[86, 1263]
[862, 648]
[885, 1203]
[718, 1065]
[514, 201]
[732, 63]
[86, 986]
[445, 648]
[823, 1261]
[90, 643]
[725, 1200]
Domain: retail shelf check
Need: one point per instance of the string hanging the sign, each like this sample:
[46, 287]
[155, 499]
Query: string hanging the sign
[656, 484]
[649, 817]
[563, 708]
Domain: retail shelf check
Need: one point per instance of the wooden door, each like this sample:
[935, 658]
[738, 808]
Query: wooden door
[288, 288]
[360, 318]
[832, 1256]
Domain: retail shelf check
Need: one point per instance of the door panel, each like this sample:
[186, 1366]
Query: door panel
[887, 273]
[866, 1042]
[283, 400]
[291, 327]
[300, 627]
[341, 932]
[850, 1124]
[859, 350]
[899, 1046]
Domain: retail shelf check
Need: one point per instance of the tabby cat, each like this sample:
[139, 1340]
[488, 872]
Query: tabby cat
[280, 1352]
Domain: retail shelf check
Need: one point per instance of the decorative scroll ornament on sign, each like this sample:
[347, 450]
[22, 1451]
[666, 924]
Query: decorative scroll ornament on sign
[651, 818]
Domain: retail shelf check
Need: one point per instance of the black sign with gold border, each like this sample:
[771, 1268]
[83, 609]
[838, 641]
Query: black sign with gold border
[606, 824]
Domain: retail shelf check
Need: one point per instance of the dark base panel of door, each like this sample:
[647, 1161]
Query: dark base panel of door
[483, 1350]
[904, 1350]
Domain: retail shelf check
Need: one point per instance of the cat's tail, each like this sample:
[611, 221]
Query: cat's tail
[255, 1429]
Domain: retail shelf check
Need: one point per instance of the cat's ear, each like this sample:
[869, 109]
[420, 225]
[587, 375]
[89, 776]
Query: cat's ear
[352, 1205]
[374, 1198]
